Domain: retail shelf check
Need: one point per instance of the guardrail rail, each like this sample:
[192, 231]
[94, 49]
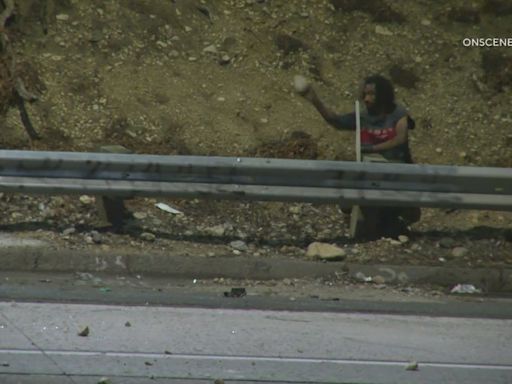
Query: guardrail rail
[319, 181]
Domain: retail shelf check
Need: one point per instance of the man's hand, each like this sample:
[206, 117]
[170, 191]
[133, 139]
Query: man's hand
[301, 85]
[310, 95]
[306, 90]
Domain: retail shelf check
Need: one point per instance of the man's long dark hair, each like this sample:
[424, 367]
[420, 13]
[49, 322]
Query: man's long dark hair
[384, 93]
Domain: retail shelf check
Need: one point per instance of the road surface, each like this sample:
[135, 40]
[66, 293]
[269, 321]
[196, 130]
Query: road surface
[40, 343]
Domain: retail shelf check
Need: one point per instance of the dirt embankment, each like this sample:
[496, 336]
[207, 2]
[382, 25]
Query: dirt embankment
[214, 78]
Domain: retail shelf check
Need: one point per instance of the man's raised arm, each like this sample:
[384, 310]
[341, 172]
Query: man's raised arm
[346, 121]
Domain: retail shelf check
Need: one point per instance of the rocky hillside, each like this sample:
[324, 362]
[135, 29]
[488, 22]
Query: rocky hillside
[214, 77]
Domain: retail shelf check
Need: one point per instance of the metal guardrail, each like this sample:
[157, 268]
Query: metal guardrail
[346, 183]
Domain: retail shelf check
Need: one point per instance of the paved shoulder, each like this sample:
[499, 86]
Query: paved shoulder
[267, 346]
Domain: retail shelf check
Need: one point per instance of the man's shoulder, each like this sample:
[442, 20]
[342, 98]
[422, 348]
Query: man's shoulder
[399, 112]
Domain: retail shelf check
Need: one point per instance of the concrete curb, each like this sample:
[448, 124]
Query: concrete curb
[488, 279]
[47, 259]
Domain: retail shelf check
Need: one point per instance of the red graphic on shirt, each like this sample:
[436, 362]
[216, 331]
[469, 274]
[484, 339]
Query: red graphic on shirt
[376, 136]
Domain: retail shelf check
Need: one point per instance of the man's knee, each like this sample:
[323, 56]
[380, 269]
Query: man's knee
[410, 215]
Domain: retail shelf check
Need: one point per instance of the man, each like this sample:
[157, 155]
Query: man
[384, 131]
[384, 124]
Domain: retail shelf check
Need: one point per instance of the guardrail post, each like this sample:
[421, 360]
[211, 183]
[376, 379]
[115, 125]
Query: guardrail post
[112, 209]
[364, 220]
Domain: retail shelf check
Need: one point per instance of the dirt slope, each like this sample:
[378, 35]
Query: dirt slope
[214, 78]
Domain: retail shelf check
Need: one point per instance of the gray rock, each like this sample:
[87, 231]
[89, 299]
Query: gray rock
[84, 332]
[383, 31]
[96, 237]
[403, 239]
[68, 231]
[210, 49]
[447, 242]
[459, 252]
[324, 251]
[239, 245]
[360, 276]
[85, 276]
[114, 149]
[148, 236]
[140, 215]
[225, 59]
[379, 279]
[416, 247]
[217, 230]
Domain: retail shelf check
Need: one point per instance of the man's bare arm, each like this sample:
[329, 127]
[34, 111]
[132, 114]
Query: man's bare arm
[400, 138]
[329, 116]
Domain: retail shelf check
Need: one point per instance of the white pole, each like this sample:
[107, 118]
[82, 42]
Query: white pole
[358, 133]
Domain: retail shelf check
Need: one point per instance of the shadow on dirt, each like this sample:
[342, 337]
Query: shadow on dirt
[134, 230]
[475, 233]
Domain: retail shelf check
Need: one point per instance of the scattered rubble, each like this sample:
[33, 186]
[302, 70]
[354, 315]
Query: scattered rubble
[236, 292]
[216, 79]
[327, 252]
[84, 332]
[465, 289]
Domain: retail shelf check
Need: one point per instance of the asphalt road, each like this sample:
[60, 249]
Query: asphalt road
[182, 341]
[291, 295]
[249, 345]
